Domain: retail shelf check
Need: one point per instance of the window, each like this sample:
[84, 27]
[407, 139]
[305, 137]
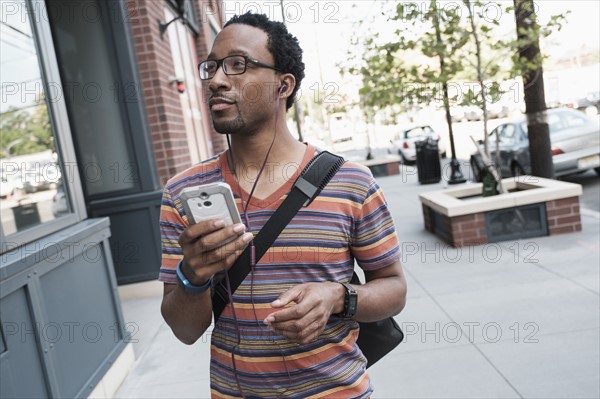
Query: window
[40, 193]
[509, 134]
[106, 159]
[572, 119]
[190, 13]
[415, 133]
[555, 124]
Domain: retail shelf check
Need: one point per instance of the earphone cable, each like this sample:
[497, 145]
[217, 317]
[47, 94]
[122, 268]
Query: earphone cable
[245, 206]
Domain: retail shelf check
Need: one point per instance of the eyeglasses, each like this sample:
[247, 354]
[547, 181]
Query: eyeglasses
[232, 65]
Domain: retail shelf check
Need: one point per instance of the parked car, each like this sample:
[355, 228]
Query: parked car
[457, 113]
[473, 113]
[7, 186]
[497, 110]
[589, 104]
[27, 182]
[575, 140]
[404, 142]
[59, 202]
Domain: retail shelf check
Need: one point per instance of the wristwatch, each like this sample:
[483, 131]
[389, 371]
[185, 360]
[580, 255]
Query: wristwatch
[189, 287]
[350, 301]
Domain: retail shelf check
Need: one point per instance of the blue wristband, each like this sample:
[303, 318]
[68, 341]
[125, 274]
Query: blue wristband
[189, 287]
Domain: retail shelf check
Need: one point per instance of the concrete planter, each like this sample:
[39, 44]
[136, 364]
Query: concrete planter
[383, 166]
[533, 207]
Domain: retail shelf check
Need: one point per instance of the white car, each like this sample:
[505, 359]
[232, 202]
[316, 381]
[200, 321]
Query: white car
[59, 202]
[404, 142]
[7, 187]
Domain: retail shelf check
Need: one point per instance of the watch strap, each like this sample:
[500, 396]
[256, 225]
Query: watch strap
[187, 285]
[350, 301]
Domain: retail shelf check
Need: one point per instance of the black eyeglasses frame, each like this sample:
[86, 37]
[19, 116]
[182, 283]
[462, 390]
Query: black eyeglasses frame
[247, 60]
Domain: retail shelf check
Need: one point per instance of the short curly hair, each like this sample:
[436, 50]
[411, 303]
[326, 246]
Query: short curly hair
[281, 44]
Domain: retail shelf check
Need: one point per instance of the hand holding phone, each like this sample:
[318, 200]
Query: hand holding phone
[208, 202]
[215, 237]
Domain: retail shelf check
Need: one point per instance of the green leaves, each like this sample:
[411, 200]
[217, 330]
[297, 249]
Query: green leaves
[25, 132]
[438, 43]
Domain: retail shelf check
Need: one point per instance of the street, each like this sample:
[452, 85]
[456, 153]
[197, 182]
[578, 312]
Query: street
[590, 199]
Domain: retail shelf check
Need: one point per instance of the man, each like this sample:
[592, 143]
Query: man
[285, 335]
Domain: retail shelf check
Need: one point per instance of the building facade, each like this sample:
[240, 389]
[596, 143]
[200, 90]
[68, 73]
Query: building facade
[101, 104]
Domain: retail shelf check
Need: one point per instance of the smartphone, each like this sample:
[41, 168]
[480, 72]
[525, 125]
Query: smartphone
[210, 201]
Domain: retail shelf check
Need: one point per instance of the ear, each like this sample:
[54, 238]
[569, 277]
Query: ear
[288, 82]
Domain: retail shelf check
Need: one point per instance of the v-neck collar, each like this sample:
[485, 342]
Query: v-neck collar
[261, 203]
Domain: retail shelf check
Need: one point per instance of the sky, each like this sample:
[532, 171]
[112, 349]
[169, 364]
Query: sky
[324, 28]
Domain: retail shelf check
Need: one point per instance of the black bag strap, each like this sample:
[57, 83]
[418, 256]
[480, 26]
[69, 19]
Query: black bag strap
[315, 176]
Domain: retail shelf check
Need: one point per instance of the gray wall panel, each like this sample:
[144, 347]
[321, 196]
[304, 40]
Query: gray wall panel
[60, 314]
[22, 356]
[81, 319]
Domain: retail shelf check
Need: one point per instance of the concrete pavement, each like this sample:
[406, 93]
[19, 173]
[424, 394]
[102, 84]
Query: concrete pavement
[516, 319]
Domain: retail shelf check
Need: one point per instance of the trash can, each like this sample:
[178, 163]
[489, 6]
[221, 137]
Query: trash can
[26, 215]
[428, 161]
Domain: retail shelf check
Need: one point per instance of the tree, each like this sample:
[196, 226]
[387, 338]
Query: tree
[25, 132]
[529, 61]
[388, 80]
[486, 43]
[483, 71]
[470, 48]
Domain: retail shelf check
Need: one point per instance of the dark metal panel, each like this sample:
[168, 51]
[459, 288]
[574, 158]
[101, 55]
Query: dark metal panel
[135, 240]
[22, 357]
[516, 223]
[50, 251]
[80, 319]
[68, 280]
[7, 379]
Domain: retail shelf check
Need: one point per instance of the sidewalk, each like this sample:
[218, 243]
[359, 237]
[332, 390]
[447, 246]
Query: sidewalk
[515, 319]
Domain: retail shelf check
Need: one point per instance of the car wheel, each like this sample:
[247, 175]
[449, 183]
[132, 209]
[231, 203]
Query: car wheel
[404, 160]
[597, 170]
[517, 170]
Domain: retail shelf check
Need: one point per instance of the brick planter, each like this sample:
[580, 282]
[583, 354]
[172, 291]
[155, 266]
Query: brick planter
[535, 207]
[563, 216]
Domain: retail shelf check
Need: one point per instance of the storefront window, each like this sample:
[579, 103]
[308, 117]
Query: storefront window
[95, 99]
[34, 185]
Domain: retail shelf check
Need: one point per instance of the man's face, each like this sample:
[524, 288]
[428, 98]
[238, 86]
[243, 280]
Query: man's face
[242, 103]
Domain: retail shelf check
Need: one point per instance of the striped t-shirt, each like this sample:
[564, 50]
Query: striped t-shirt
[348, 221]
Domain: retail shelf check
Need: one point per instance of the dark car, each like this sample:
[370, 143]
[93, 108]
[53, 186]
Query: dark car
[575, 139]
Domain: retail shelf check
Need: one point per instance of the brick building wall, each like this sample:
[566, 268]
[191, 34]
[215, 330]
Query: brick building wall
[207, 10]
[163, 105]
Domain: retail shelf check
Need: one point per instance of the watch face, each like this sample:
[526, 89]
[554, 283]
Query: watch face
[352, 302]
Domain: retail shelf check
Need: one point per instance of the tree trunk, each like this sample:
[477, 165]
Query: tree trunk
[533, 83]
[456, 176]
